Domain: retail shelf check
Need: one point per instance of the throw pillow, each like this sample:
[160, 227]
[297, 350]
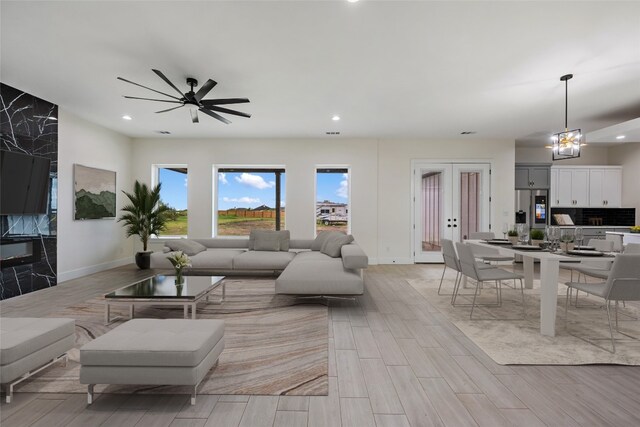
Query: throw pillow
[267, 242]
[189, 247]
[267, 236]
[333, 244]
[316, 245]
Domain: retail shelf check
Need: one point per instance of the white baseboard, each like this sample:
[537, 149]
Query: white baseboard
[395, 261]
[84, 271]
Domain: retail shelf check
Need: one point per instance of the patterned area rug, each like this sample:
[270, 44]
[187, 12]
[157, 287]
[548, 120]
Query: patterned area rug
[519, 341]
[272, 345]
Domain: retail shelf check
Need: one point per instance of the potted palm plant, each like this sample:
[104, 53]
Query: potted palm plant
[144, 216]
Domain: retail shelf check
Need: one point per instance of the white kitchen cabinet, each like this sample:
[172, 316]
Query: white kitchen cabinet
[605, 189]
[586, 186]
[571, 187]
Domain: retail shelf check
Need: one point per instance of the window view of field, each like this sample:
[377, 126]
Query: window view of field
[247, 200]
[332, 200]
[173, 194]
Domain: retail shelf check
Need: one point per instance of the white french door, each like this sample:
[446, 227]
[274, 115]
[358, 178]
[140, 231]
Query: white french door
[451, 200]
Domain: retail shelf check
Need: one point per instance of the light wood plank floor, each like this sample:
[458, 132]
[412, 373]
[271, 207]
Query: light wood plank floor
[394, 361]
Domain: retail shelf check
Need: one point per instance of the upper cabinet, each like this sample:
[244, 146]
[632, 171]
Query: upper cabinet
[532, 177]
[586, 186]
[604, 188]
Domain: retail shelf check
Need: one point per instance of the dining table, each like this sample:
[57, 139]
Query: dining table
[549, 272]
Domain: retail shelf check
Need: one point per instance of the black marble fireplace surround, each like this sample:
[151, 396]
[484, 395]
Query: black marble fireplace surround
[28, 246]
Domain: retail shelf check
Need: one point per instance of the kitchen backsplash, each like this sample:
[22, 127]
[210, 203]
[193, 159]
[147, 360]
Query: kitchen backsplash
[598, 216]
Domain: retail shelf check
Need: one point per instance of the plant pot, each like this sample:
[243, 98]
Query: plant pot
[143, 260]
[513, 240]
[536, 242]
[567, 246]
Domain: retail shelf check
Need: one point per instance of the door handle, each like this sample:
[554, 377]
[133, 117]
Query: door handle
[449, 225]
[455, 225]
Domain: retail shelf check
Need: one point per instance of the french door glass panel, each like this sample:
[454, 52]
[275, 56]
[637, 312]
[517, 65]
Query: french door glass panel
[451, 201]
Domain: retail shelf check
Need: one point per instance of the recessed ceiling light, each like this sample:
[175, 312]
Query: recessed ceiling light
[352, 1]
[335, 118]
[620, 137]
[126, 117]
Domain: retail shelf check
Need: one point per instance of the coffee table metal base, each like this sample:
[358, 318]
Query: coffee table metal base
[150, 301]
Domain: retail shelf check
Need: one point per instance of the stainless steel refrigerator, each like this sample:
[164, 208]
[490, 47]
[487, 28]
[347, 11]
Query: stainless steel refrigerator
[532, 207]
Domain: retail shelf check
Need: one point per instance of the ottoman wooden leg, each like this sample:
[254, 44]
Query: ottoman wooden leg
[90, 394]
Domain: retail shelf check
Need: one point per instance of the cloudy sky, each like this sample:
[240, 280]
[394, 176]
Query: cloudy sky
[249, 190]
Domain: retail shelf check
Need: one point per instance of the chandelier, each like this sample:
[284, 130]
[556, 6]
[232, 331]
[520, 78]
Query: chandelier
[566, 144]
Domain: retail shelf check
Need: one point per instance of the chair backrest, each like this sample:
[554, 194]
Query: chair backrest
[632, 248]
[601, 245]
[467, 260]
[482, 235]
[623, 283]
[449, 255]
[617, 241]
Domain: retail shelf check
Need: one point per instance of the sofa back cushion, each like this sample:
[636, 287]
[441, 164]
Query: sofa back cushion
[225, 242]
[188, 246]
[333, 244]
[321, 237]
[267, 240]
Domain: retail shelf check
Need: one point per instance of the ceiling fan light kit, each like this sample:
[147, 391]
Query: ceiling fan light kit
[566, 144]
[193, 100]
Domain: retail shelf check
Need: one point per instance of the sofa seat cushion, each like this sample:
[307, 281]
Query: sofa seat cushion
[22, 336]
[215, 258]
[319, 277]
[154, 342]
[312, 256]
[262, 260]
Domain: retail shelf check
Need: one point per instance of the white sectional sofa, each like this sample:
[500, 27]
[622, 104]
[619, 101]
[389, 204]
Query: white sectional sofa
[304, 268]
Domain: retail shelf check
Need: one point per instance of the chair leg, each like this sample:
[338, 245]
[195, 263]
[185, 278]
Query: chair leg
[613, 344]
[524, 307]
[456, 286]
[616, 308]
[442, 278]
[473, 304]
[566, 308]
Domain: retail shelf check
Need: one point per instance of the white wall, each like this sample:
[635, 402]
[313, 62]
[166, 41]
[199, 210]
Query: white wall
[85, 247]
[380, 180]
[590, 155]
[628, 156]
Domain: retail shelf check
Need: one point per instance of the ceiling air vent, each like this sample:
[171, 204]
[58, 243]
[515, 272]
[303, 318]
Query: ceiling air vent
[468, 132]
[332, 133]
[163, 132]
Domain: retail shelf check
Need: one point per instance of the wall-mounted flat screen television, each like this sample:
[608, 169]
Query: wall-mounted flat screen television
[24, 183]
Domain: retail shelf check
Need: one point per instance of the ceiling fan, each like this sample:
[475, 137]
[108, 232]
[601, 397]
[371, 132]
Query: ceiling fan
[193, 100]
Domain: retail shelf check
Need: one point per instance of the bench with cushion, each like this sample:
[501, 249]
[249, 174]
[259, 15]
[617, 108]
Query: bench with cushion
[28, 345]
[153, 351]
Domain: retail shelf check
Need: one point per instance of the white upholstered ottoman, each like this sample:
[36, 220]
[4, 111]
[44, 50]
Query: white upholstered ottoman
[153, 351]
[30, 344]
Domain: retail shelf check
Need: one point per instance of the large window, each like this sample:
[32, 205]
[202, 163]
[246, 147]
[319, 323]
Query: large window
[332, 199]
[173, 193]
[249, 198]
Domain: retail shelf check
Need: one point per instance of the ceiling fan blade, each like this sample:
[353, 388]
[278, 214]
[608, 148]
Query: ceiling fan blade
[215, 115]
[194, 116]
[226, 110]
[163, 77]
[151, 99]
[208, 102]
[169, 109]
[156, 91]
[206, 87]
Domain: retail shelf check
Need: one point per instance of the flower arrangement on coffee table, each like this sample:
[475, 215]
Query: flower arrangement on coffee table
[179, 260]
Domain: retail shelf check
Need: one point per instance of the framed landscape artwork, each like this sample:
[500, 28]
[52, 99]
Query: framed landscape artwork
[94, 193]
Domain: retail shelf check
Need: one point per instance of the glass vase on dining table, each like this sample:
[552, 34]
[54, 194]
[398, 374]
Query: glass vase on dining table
[523, 234]
[579, 236]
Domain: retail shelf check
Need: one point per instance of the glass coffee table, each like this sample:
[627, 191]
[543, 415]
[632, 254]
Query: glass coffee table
[162, 290]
